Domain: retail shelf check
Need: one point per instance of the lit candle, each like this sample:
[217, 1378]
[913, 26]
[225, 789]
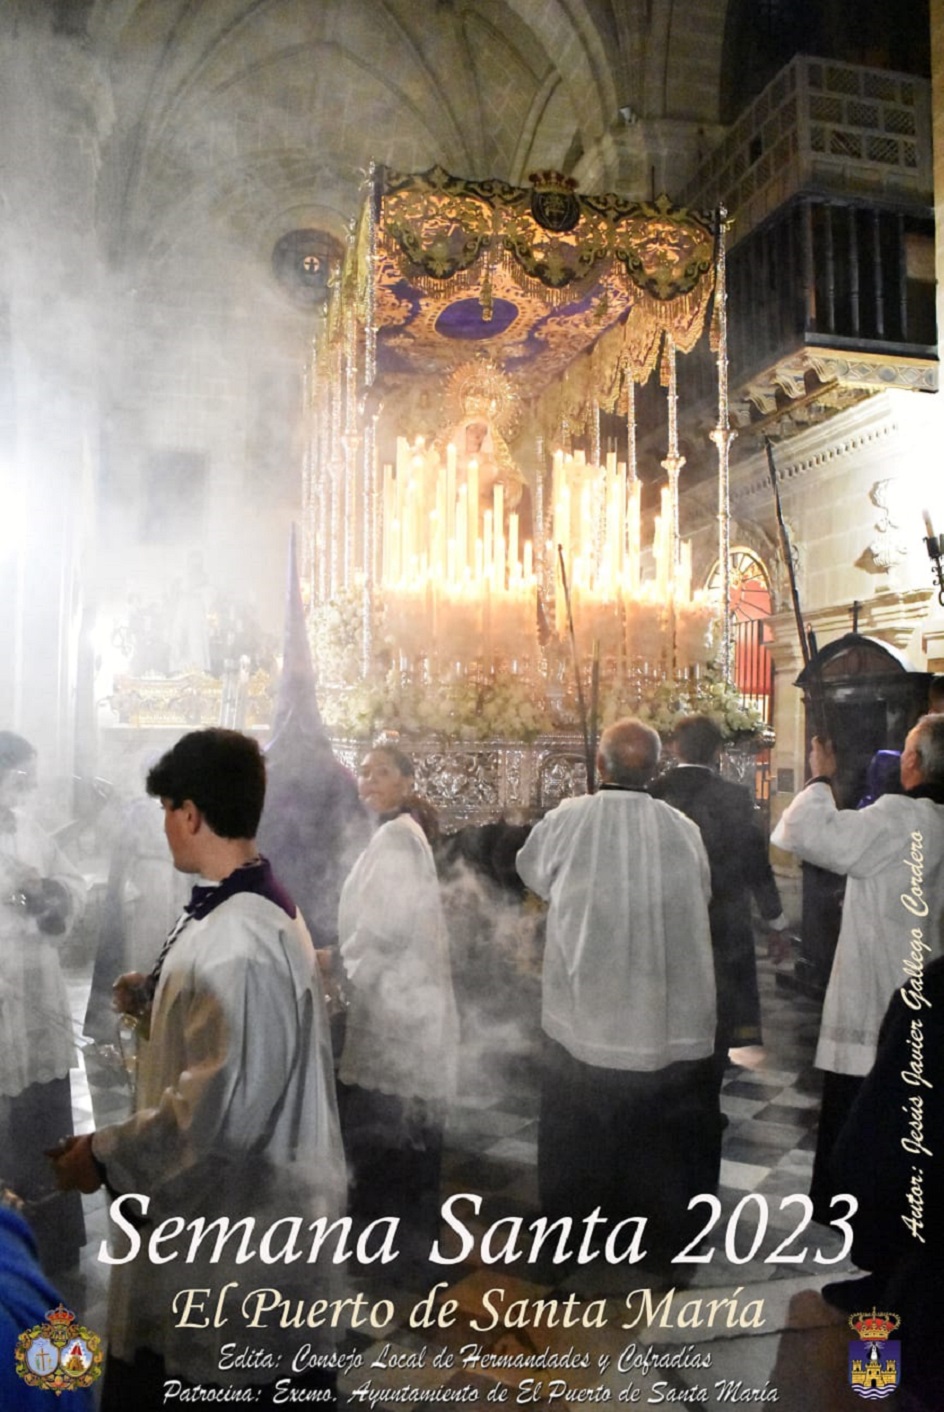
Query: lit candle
[473, 505]
[388, 518]
[613, 527]
[436, 549]
[410, 528]
[928, 527]
[394, 551]
[633, 539]
[450, 490]
[684, 585]
[566, 516]
[462, 531]
[558, 473]
[558, 490]
[443, 516]
[586, 522]
[668, 542]
[563, 544]
[658, 550]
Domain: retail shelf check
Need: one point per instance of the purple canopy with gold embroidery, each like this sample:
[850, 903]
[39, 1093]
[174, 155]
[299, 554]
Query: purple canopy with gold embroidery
[533, 276]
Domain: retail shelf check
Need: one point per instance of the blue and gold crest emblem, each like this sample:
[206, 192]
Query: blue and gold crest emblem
[874, 1358]
[59, 1355]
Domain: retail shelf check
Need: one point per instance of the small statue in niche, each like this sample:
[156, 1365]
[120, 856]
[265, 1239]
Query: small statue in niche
[143, 638]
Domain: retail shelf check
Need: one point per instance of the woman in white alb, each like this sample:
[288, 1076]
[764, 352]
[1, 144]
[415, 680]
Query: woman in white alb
[397, 1068]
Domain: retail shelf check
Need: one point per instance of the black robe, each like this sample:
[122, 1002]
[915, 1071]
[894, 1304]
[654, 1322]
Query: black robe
[740, 868]
[898, 1225]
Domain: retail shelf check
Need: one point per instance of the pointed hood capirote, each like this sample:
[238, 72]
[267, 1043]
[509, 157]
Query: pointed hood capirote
[297, 718]
[313, 825]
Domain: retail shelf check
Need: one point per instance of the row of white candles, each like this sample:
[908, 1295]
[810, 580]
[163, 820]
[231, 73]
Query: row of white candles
[465, 571]
[433, 530]
[596, 522]
[457, 577]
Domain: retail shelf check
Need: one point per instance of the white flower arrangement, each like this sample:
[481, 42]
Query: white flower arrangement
[337, 630]
[505, 708]
[662, 704]
[502, 705]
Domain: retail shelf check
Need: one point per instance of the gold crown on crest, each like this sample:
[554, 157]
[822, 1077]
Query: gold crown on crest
[552, 181]
[62, 1315]
[874, 1327]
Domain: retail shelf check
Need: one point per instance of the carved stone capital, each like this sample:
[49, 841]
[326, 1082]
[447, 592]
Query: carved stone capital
[782, 642]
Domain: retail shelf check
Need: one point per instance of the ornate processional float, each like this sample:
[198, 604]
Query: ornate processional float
[484, 574]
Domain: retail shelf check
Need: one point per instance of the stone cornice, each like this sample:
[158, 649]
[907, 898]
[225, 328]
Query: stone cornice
[890, 617]
[817, 452]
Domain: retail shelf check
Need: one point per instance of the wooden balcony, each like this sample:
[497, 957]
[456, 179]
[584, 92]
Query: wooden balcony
[821, 125]
[827, 182]
[829, 301]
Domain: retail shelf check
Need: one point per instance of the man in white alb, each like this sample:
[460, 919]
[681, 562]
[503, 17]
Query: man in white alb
[235, 1114]
[629, 1118]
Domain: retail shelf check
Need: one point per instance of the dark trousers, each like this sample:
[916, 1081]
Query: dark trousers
[140, 1386]
[30, 1124]
[632, 1144]
[394, 1152]
[839, 1091]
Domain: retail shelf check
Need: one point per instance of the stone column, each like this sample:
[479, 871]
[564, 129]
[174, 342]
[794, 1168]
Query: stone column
[54, 113]
[644, 157]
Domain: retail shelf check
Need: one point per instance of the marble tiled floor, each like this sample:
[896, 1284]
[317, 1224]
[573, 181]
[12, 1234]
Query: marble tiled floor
[793, 1351]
